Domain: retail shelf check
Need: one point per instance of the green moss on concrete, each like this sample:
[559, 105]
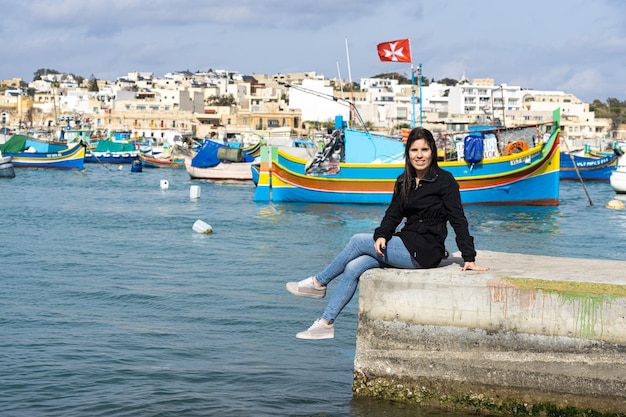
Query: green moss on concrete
[574, 288]
[589, 298]
[434, 396]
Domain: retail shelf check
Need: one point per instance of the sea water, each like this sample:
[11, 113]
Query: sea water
[112, 305]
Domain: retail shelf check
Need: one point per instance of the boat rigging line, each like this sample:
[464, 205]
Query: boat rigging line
[577, 172]
[331, 97]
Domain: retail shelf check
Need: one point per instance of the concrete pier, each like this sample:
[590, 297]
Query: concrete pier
[534, 335]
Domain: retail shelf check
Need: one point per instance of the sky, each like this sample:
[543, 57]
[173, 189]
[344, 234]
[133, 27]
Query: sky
[574, 46]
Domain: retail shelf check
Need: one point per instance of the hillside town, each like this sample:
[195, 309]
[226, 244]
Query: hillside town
[220, 103]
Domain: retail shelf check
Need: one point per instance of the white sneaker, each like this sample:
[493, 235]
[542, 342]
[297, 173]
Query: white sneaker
[318, 330]
[306, 288]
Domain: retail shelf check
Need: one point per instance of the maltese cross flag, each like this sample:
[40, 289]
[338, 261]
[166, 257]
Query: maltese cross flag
[395, 51]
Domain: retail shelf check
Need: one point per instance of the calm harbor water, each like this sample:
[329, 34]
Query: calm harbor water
[111, 305]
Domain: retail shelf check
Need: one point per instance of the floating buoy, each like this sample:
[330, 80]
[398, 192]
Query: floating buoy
[194, 192]
[615, 204]
[165, 185]
[136, 166]
[201, 227]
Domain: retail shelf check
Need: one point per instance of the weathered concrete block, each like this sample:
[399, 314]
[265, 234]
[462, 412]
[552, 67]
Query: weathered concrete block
[534, 333]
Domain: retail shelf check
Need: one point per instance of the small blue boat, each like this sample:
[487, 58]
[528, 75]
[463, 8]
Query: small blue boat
[590, 168]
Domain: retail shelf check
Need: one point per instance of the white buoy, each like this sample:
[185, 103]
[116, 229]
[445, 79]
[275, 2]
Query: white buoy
[615, 204]
[194, 192]
[165, 185]
[201, 227]
[120, 168]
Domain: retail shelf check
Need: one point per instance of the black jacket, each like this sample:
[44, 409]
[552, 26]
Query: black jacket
[430, 206]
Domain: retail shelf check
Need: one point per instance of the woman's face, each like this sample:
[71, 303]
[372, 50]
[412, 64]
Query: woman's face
[420, 156]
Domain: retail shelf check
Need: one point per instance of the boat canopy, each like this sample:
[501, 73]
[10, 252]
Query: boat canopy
[111, 146]
[208, 155]
[15, 144]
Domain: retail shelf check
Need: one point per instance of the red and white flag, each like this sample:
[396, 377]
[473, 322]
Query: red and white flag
[395, 51]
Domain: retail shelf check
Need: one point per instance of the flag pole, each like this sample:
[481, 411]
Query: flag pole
[412, 96]
[419, 72]
[412, 87]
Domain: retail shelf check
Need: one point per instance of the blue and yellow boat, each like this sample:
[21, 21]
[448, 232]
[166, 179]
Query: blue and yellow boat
[29, 153]
[363, 169]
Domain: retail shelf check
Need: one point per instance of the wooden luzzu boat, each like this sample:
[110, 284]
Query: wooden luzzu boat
[360, 167]
[71, 156]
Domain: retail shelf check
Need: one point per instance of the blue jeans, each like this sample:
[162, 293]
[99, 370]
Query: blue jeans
[357, 257]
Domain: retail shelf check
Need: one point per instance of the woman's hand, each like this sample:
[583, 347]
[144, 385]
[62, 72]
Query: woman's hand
[472, 266]
[380, 245]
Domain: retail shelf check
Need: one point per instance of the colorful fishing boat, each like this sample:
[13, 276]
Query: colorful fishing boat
[592, 168]
[58, 156]
[360, 167]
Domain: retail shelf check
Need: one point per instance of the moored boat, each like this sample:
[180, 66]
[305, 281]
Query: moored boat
[112, 152]
[618, 177]
[215, 161]
[71, 156]
[592, 168]
[360, 167]
[6, 167]
[173, 157]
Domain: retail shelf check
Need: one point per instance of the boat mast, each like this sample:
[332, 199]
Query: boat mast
[350, 80]
[340, 82]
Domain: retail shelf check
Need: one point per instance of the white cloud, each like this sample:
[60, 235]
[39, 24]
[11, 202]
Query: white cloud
[559, 44]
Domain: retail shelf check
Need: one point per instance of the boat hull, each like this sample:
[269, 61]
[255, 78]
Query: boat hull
[6, 167]
[575, 167]
[111, 158]
[162, 163]
[537, 185]
[71, 158]
[238, 171]
[618, 181]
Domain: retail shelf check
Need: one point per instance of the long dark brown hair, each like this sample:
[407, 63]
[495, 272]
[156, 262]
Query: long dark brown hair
[407, 179]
